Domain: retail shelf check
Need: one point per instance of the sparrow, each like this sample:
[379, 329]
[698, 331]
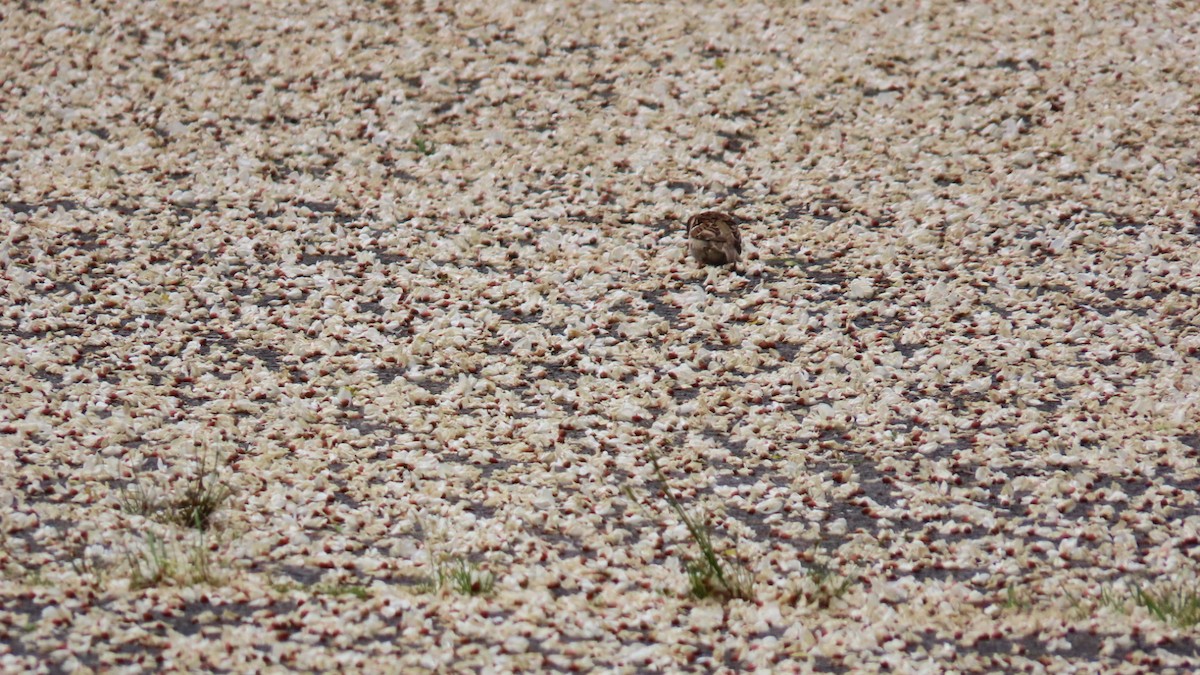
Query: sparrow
[713, 238]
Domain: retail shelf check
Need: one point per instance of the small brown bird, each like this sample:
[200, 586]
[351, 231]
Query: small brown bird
[713, 238]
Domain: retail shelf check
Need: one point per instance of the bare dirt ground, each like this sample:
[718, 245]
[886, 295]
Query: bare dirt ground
[346, 336]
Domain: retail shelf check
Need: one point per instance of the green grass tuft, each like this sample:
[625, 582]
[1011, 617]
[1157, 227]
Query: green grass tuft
[464, 578]
[155, 564]
[710, 575]
[194, 507]
[828, 584]
[1176, 605]
[424, 146]
[1015, 599]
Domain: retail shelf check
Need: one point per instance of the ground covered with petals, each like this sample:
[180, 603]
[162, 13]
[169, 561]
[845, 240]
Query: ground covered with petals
[361, 336]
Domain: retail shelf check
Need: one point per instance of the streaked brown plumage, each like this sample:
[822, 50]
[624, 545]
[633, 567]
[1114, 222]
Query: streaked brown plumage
[713, 238]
